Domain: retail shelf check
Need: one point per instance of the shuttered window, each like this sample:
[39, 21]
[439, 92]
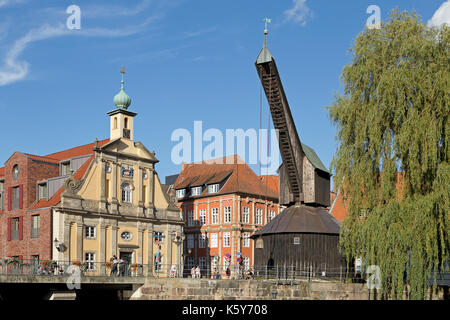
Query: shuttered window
[15, 228]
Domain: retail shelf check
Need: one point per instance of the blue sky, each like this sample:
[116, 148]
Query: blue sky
[186, 60]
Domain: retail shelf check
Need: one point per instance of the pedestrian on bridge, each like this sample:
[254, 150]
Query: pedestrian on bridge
[114, 263]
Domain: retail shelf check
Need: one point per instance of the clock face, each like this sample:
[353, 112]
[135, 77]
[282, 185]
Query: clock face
[126, 235]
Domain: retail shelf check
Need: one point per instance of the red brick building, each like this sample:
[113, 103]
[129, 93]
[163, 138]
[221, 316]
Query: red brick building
[222, 205]
[26, 182]
[340, 202]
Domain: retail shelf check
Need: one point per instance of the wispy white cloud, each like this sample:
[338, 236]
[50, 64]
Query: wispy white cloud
[4, 3]
[441, 16]
[13, 69]
[298, 13]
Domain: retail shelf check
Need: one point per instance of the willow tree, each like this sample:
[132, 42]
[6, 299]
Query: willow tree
[392, 160]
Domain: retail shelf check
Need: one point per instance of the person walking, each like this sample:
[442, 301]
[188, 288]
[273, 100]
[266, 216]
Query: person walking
[197, 272]
[114, 263]
[121, 267]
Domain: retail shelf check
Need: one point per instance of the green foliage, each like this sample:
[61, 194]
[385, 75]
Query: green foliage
[393, 156]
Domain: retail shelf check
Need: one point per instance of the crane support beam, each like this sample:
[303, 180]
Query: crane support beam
[291, 150]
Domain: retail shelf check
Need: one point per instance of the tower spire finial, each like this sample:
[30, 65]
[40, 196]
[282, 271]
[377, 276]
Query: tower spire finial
[122, 72]
[265, 56]
[266, 21]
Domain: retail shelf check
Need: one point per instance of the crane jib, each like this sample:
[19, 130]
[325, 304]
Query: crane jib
[289, 141]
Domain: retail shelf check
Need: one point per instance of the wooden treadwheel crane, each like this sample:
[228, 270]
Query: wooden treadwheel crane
[303, 178]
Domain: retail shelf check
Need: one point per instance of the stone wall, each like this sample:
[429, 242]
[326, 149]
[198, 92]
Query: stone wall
[204, 289]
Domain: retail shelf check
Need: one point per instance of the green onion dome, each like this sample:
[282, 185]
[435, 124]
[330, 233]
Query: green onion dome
[122, 100]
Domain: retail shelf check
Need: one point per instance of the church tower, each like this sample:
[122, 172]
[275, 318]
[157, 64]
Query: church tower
[121, 120]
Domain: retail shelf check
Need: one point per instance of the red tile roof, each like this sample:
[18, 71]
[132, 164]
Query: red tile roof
[63, 155]
[241, 179]
[56, 198]
[77, 151]
[271, 181]
[40, 158]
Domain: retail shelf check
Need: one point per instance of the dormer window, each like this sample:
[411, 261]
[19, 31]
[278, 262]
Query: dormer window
[181, 193]
[42, 191]
[213, 188]
[196, 191]
[65, 168]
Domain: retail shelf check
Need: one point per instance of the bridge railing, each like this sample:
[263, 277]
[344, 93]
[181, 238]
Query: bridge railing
[10, 266]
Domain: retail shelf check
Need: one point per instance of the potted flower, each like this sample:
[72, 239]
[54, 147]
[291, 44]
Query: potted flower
[77, 263]
[135, 267]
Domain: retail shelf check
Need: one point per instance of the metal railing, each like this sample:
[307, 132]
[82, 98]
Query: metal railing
[287, 274]
[10, 266]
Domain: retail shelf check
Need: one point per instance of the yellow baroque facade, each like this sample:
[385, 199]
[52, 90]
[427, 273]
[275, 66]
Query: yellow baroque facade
[118, 207]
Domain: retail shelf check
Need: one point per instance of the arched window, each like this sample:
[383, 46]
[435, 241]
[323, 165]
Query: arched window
[115, 122]
[15, 172]
[126, 123]
[126, 193]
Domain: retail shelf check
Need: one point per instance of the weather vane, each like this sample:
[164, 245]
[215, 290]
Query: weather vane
[122, 72]
[266, 21]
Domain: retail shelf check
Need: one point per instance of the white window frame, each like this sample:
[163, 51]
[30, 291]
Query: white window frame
[89, 258]
[214, 215]
[227, 215]
[246, 215]
[213, 240]
[213, 188]
[226, 239]
[181, 193]
[127, 193]
[246, 240]
[202, 219]
[259, 216]
[90, 232]
[196, 191]
[271, 215]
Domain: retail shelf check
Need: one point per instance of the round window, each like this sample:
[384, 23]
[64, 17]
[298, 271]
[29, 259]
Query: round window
[126, 235]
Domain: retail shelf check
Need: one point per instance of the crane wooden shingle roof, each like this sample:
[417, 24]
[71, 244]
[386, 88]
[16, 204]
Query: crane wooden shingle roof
[301, 219]
[238, 177]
